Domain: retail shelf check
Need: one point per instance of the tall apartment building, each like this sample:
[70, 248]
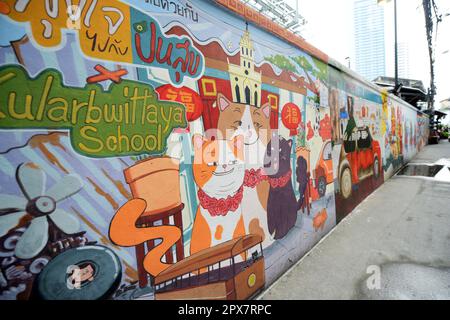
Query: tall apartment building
[369, 26]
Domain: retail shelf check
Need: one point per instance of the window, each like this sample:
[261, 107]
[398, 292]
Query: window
[327, 152]
[247, 95]
[238, 93]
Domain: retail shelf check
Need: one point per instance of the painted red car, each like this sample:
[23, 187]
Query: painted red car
[360, 159]
[323, 173]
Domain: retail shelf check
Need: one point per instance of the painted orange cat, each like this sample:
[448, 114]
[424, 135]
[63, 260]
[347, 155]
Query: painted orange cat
[219, 174]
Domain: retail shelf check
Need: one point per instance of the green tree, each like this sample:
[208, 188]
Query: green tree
[317, 69]
[282, 62]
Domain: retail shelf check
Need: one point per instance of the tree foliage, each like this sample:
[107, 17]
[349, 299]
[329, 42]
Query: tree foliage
[282, 62]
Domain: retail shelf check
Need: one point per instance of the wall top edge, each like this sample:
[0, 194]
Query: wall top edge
[252, 16]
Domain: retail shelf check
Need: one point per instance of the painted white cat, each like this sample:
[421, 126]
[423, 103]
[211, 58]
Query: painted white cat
[254, 124]
[219, 172]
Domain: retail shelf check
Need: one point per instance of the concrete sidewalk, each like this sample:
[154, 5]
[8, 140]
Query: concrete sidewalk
[403, 229]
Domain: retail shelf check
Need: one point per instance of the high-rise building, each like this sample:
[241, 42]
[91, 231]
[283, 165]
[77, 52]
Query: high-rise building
[370, 53]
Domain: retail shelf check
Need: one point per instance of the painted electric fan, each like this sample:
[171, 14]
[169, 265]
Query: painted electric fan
[39, 204]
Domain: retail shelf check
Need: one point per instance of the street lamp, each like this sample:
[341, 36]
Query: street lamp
[384, 2]
[348, 60]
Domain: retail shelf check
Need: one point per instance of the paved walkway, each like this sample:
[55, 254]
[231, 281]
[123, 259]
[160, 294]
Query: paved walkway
[401, 230]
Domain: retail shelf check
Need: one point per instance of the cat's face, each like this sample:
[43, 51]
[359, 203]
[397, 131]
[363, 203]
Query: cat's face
[219, 165]
[236, 119]
[282, 164]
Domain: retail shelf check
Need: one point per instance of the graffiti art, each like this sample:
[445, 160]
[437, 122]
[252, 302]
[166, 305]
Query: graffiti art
[176, 149]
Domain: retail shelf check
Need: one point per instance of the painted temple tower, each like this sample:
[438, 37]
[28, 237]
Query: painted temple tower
[245, 81]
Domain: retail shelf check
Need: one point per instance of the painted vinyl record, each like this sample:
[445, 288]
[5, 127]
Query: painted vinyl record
[84, 273]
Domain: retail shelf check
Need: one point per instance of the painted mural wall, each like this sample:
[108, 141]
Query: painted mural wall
[176, 149]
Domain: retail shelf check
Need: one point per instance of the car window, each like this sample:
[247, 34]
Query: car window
[327, 152]
[364, 138]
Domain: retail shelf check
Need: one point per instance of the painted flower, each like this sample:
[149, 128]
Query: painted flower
[140, 27]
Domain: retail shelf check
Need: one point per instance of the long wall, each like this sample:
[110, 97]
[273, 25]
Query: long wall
[176, 149]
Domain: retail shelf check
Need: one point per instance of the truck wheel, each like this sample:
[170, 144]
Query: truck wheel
[346, 183]
[322, 186]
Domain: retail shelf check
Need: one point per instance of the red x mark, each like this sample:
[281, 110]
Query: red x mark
[4, 8]
[104, 74]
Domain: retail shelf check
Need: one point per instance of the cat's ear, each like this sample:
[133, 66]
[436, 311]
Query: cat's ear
[238, 142]
[238, 146]
[222, 102]
[197, 141]
[266, 110]
[290, 143]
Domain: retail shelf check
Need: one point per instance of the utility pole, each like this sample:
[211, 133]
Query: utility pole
[383, 3]
[430, 9]
[396, 48]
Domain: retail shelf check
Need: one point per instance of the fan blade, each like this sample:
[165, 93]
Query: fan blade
[33, 240]
[9, 221]
[65, 221]
[8, 201]
[31, 179]
[64, 188]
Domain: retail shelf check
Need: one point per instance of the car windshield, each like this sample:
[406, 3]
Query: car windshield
[364, 139]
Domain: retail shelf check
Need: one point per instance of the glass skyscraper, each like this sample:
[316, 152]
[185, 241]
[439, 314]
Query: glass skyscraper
[369, 39]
